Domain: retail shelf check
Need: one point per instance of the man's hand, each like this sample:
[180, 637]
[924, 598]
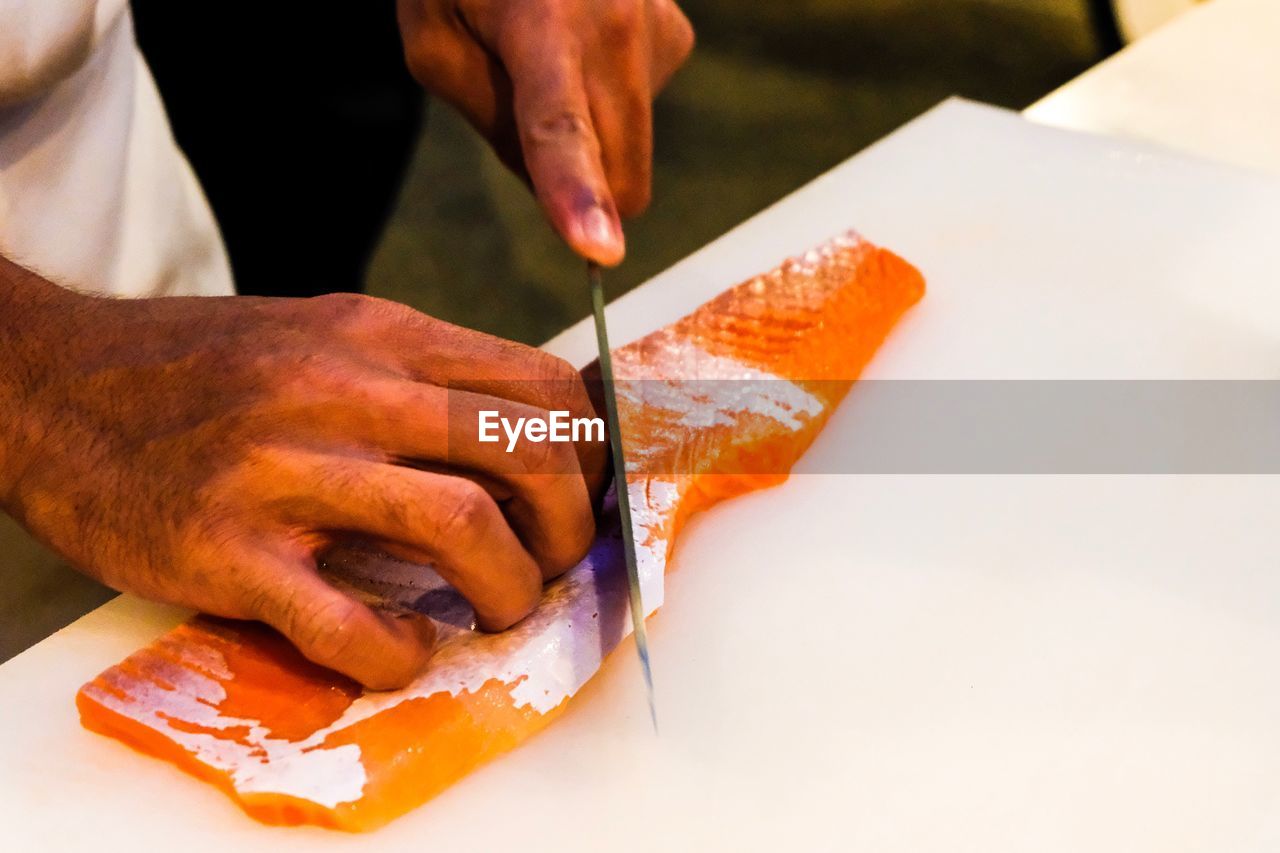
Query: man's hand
[563, 89]
[206, 452]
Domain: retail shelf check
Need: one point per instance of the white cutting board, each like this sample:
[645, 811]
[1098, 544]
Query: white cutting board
[880, 663]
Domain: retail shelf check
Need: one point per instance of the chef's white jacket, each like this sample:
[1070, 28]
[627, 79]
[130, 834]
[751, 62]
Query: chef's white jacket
[94, 194]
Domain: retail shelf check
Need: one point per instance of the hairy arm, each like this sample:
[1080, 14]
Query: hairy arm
[34, 316]
[207, 452]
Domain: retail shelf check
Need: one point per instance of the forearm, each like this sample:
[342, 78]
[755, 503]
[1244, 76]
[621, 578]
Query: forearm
[35, 319]
[209, 452]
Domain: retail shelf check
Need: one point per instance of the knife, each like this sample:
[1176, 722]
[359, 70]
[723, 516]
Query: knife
[620, 482]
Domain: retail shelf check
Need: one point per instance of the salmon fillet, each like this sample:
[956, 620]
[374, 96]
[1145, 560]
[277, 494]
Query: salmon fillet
[721, 402]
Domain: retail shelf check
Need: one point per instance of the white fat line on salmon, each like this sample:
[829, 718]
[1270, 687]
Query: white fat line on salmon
[557, 427]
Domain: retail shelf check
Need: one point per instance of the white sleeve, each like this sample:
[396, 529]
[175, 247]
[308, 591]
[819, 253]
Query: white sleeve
[94, 193]
[44, 41]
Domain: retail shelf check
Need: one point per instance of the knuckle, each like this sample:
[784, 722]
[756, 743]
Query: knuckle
[258, 591]
[558, 127]
[633, 196]
[683, 36]
[426, 57]
[531, 593]
[302, 380]
[578, 399]
[215, 528]
[620, 20]
[341, 304]
[248, 473]
[579, 544]
[357, 309]
[399, 313]
[468, 514]
[518, 354]
[674, 42]
[526, 592]
[574, 541]
[547, 457]
[264, 465]
[326, 630]
[258, 602]
[586, 537]
[555, 369]
[563, 384]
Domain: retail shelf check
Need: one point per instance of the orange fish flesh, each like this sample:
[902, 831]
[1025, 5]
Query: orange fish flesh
[721, 402]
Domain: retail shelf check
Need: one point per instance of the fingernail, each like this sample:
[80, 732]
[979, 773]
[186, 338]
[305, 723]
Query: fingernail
[599, 232]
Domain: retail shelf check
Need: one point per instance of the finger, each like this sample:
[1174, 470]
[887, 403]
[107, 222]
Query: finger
[441, 353]
[593, 379]
[619, 89]
[381, 650]
[448, 519]
[509, 371]
[673, 41]
[550, 504]
[547, 500]
[486, 101]
[477, 86]
[557, 137]
[444, 56]
[450, 356]
[623, 116]
[460, 358]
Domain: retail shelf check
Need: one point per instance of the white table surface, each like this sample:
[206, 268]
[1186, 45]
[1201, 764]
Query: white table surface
[1047, 663]
[1207, 83]
[883, 663]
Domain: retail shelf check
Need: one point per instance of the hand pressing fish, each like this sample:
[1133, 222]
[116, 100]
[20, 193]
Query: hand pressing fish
[719, 403]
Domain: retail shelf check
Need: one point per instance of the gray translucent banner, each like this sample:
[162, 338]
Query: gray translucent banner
[936, 427]
[1059, 427]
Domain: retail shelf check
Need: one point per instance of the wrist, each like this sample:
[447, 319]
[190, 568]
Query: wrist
[35, 319]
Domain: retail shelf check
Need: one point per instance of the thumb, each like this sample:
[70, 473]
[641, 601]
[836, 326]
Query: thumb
[381, 650]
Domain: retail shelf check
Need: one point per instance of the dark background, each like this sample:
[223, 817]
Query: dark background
[300, 127]
[775, 94]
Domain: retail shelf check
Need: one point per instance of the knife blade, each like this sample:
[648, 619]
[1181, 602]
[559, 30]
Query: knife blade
[620, 483]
